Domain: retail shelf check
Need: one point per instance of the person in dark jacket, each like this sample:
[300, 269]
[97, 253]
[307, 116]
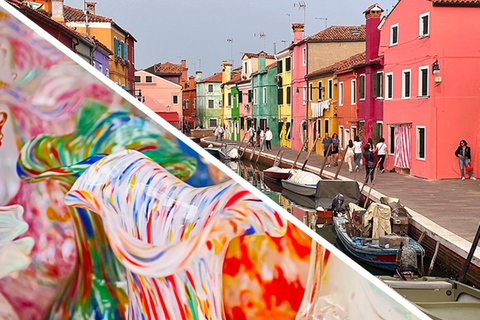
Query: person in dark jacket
[464, 157]
[369, 162]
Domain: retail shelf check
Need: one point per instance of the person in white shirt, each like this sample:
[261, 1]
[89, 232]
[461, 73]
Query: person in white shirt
[381, 149]
[262, 139]
[349, 155]
[268, 138]
[251, 133]
[357, 149]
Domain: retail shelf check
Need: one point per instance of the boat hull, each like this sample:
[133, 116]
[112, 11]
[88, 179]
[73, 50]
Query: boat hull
[281, 175]
[301, 189]
[382, 258]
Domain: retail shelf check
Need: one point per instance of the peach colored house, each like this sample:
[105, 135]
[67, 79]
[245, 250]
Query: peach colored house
[161, 95]
[432, 97]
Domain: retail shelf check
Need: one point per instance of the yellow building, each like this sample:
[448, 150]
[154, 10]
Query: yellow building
[322, 105]
[118, 40]
[284, 80]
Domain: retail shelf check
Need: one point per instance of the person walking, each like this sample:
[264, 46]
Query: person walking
[335, 149]
[326, 142]
[251, 135]
[216, 132]
[262, 139]
[357, 149]
[369, 163]
[381, 149]
[221, 131]
[349, 155]
[464, 158]
[268, 138]
[257, 137]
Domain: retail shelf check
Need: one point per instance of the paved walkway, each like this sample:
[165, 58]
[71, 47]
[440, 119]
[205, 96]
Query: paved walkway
[452, 204]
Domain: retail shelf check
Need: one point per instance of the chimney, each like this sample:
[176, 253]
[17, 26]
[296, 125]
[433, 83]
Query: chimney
[372, 34]
[184, 71]
[57, 11]
[226, 71]
[297, 32]
[184, 63]
[191, 82]
[198, 76]
[91, 7]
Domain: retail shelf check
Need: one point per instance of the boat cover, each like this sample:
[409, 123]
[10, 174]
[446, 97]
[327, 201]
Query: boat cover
[328, 189]
[277, 169]
[305, 178]
[380, 214]
[233, 153]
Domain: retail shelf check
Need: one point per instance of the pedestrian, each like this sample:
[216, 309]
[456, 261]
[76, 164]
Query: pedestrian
[216, 132]
[369, 163]
[268, 138]
[464, 157]
[370, 142]
[251, 134]
[335, 147]
[326, 142]
[262, 139]
[349, 155]
[221, 131]
[257, 137]
[357, 149]
[381, 149]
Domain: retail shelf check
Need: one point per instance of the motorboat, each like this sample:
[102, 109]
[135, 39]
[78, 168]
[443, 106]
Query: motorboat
[302, 182]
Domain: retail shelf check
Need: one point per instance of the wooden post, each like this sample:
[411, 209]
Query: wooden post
[340, 165]
[310, 152]
[240, 147]
[433, 258]
[253, 152]
[325, 160]
[470, 255]
[298, 154]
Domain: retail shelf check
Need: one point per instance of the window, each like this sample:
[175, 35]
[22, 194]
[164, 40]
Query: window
[289, 95]
[211, 104]
[389, 93]
[310, 91]
[255, 96]
[107, 72]
[304, 95]
[240, 97]
[116, 46]
[320, 90]
[280, 95]
[175, 99]
[287, 64]
[213, 123]
[354, 131]
[250, 96]
[319, 126]
[210, 88]
[148, 79]
[406, 84]
[340, 94]
[279, 66]
[330, 88]
[327, 125]
[423, 82]
[245, 65]
[100, 67]
[353, 90]
[423, 30]
[304, 56]
[361, 87]
[123, 50]
[394, 34]
[230, 99]
[392, 139]
[378, 85]
[138, 79]
[421, 143]
[264, 92]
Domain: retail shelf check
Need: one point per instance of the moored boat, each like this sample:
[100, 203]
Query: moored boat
[229, 151]
[302, 182]
[277, 172]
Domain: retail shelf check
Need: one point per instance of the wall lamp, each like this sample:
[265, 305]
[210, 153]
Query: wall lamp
[435, 67]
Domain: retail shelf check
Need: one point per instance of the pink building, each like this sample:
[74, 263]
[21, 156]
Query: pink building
[161, 95]
[299, 87]
[432, 95]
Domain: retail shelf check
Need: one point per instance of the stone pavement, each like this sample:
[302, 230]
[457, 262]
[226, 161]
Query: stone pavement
[452, 204]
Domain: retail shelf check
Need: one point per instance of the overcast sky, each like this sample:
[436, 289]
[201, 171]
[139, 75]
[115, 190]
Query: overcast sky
[198, 30]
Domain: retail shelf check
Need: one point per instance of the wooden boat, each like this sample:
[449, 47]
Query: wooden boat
[377, 249]
[277, 173]
[302, 182]
[273, 183]
[229, 151]
[213, 151]
[439, 298]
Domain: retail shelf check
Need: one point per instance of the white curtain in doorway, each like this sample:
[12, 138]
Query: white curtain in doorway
[402, 146]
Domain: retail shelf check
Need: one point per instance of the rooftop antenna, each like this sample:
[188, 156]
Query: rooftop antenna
[290, 28]
[200, 64]
[85, 9]
[284, 43]
[230, 40]
[326, 21]
[302, 5]
[263, 36]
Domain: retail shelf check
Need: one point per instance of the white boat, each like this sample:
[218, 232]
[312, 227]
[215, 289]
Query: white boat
[302, 182]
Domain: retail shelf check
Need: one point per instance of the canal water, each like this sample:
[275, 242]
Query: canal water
[253, 173]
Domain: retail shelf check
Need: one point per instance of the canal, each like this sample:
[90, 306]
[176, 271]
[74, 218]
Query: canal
[253, 173]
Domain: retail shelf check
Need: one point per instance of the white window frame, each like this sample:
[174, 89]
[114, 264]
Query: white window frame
[320, 91]
[353, 92]
[421, 32]
[264, 91]
[304, 56]
[393, 26]
[387, 87]
[404, 72]
[173, 100]
[330, 88]
[381, 84]
[391, 146]
[420, 82]
[417, 152]
[255, 95]
[107, 72]
[340, 93]
[341, 136]
[304, 95]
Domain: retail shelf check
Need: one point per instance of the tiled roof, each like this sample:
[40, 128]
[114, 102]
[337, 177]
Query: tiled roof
[256, 55]
[102, 46]
[236, 76]
[77, 15]
[165, 68]
[456, 2]
[342, 65]
[216, 77]
[339, 33]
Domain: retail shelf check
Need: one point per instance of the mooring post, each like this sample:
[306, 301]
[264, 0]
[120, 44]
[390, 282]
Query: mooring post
[470, 255]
